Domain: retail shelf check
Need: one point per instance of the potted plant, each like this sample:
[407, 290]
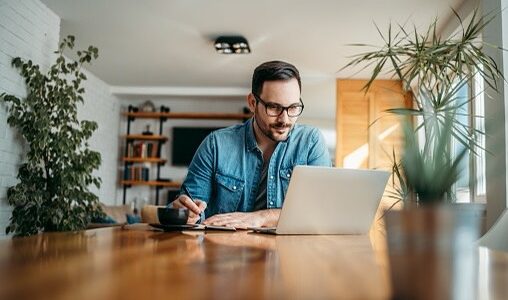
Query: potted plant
[52, 193]
[433, 70]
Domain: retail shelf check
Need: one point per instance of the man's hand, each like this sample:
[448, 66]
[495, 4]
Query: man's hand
[241, 220]
[195, 207]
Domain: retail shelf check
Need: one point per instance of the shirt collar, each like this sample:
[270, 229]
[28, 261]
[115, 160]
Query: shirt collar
[250, 139]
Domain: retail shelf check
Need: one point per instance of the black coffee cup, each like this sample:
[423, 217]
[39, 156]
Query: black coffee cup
[172, 216]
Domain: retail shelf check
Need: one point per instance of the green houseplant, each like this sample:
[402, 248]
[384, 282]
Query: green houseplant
[52, 193]
[426, 243]
[433, 70]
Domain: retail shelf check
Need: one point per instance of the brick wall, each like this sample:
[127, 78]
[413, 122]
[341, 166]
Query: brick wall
[100, 106]
[30, 30]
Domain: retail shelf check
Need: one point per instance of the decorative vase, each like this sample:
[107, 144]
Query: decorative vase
[431, 252]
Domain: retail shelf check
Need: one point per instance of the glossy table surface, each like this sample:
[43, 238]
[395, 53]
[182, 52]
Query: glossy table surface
[115, 263]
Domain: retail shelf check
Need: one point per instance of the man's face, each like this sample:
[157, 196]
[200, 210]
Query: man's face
[285, 93]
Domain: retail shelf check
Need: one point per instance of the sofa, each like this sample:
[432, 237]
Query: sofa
[117, 215]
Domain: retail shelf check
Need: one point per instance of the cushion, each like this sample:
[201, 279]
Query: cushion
[132, 219]
[105, 220]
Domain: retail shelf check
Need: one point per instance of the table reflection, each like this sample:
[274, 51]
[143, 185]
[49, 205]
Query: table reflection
[127, 264]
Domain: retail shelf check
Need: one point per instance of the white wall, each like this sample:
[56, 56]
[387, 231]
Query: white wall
[319, 96]
[104, 108]
[495, 114]
[30, 30]
[504, 5]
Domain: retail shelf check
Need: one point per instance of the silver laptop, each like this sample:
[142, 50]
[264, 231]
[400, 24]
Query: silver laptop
[322, 200]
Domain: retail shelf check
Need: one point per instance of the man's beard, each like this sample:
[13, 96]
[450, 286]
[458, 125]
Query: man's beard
[277, 126]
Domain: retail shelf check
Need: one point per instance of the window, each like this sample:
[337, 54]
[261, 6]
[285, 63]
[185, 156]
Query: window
[471, 185]
[478, 119]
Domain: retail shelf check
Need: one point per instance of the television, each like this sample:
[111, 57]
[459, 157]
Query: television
[185, 142]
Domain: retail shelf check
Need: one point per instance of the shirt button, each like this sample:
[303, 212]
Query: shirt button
[289, 175]
[271, 177]
[271, 202]
[234, 187]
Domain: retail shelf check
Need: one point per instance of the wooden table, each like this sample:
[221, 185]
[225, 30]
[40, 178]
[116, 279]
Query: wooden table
[113, 263]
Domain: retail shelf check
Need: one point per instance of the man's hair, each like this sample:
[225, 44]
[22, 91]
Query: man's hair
[272, 71]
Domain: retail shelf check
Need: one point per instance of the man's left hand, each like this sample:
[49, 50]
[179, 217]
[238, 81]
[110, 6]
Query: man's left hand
[242, 220]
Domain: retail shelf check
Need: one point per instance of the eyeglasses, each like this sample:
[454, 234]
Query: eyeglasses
[275, 110]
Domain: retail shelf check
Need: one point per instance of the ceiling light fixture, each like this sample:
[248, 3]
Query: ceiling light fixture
[232, 45]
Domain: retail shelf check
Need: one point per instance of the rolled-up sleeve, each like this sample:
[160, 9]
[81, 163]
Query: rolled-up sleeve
[198, 182]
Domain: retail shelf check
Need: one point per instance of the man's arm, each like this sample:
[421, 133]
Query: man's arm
[243, 220]
[197, 187]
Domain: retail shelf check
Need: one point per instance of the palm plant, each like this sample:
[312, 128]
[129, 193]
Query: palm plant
[433, 70]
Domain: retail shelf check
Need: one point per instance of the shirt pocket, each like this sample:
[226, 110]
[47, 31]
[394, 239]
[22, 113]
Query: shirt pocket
[229, 192]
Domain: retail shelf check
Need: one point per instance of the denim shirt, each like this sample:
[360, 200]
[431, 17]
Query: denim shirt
[226, 169]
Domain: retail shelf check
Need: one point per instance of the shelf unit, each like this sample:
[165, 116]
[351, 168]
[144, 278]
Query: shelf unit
[158, 139]
[163, 115]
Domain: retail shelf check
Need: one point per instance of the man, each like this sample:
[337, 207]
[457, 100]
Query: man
[239, 175]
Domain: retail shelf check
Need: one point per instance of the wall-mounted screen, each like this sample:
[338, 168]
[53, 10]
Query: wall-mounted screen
[185, 142]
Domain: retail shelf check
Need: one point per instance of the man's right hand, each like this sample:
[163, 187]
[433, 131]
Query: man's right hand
[195, 207]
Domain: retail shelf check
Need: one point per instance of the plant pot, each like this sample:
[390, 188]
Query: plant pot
[431, 252]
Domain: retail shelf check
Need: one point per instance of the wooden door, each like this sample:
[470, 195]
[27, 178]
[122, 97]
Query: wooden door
[366, 134]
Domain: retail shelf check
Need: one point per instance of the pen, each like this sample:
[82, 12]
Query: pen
[190, 196]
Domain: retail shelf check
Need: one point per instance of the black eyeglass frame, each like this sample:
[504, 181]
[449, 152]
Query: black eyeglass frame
[283, 108]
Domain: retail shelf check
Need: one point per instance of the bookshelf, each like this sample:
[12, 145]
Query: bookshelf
[143, 152]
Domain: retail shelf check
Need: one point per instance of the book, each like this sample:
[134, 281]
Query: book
[143, 150]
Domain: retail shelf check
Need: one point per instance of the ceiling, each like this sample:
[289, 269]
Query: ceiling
[161, 43]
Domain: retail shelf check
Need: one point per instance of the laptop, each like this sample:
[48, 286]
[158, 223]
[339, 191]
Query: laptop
[324, 200]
